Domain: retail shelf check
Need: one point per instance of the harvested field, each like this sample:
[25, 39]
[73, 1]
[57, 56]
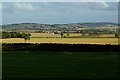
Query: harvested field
[65, 40]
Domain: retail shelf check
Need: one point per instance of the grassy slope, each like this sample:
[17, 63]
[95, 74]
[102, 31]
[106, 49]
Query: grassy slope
[60, 64]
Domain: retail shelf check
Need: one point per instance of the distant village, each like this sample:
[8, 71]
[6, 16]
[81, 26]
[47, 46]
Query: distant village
[109, 28]
[72, 29]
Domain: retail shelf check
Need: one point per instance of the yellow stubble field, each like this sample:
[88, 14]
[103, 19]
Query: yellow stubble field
[65, 40]
[51, 38]
[44, 35]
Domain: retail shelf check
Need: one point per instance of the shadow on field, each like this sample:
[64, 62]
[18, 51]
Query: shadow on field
[58, 47]
[23, 61]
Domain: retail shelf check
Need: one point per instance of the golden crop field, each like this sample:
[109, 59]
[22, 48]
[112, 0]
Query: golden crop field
[56, 38]
[44, 35]
[107, 35]
[65, 40]
[40, 35]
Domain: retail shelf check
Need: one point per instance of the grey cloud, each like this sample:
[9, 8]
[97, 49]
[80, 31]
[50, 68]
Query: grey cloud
[56, 6]
[24, 6]
[94, 5]
[10, 7]
[7, 7]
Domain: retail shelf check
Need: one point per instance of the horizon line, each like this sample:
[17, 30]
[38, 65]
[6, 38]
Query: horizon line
[58, 23]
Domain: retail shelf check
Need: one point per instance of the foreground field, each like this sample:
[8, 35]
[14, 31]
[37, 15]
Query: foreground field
[65, 40]
[38, 64]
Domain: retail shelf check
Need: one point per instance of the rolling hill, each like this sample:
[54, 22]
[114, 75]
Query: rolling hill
[25, 26]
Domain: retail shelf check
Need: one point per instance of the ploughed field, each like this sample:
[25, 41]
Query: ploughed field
[72, 39]
[44, 64]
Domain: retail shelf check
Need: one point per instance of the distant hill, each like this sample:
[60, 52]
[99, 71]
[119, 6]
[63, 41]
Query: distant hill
[49, 26]
[96, 24]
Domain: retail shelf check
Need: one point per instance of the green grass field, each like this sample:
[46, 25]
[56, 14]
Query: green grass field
[45, 64]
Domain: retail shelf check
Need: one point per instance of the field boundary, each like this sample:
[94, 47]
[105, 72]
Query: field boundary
[58, 47]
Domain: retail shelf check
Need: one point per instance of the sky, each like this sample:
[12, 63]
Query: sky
[58, 12]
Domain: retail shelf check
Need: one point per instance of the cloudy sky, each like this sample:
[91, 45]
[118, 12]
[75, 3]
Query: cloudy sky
[58, 12]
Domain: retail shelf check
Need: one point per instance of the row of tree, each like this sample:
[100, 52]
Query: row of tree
[117, 35]
[25, 36]
[60, 47]
[64, 35]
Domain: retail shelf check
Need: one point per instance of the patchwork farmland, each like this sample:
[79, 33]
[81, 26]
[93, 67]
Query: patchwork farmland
[72, 39]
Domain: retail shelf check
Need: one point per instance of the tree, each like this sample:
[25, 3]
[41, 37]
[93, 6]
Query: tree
[68, 34]
[8, 35]
[4, 35]
[83, 34]
[117, 35]
[26, 37]
[13, 35]
[90, 34]
[64, 36]
[29, 34]
[61, 34]
[19, 35]
[23, 35]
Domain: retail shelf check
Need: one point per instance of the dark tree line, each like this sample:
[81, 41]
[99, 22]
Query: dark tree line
[59, 47]
[14, 34]
[25, 36]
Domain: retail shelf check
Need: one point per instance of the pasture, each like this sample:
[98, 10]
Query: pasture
[43, 64]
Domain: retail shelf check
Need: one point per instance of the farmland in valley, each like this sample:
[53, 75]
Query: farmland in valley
[56, 38]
